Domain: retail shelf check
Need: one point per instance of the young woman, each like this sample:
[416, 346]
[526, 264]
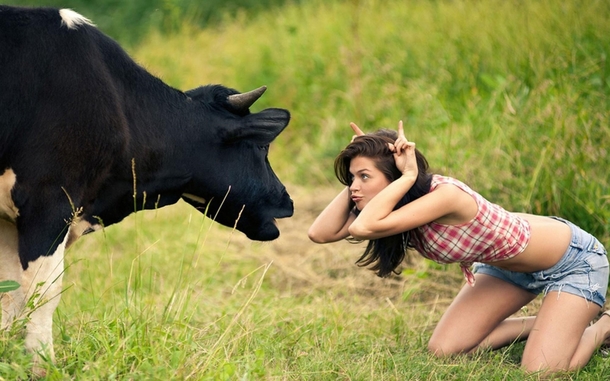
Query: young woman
[393, 201]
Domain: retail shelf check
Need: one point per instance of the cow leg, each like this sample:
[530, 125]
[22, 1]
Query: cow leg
[38, 296]
[10, 269]
[42, 283]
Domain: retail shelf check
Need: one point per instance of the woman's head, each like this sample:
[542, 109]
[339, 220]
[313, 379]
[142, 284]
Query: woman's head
[375, 148]
[360, 166]
[372, 146]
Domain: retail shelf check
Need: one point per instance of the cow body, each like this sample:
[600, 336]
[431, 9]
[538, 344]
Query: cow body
[88, 137]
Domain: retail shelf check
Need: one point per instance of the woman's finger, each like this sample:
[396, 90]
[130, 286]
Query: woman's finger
[356, 129]
[401, 130]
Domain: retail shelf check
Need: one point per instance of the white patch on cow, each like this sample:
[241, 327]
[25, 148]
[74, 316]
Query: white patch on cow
[42, 282]
[198, 199]
[73, 20]
[8, 211]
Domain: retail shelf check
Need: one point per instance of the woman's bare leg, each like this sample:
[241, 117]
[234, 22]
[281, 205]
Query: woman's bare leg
[513, 329]
[509, 331]
[594, 336]
[560, 338]
[477, 317]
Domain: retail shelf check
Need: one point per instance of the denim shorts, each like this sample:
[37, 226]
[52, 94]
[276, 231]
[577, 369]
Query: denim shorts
[582, 271]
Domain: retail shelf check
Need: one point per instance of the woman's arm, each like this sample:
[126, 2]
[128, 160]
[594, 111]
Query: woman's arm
[333, 223]
[447, 204]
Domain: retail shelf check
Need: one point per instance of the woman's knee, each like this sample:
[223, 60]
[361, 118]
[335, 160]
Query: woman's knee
[436, 350]
[444, 348]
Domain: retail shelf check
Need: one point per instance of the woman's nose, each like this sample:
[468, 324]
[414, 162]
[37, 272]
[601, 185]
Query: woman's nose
[354, 186]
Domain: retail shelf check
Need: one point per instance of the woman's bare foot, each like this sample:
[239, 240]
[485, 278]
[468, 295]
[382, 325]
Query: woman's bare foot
[605, 347]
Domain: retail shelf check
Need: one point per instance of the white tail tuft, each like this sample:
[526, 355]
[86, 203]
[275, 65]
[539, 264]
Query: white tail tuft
[73, 20]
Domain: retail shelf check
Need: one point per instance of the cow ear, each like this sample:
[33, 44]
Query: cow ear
[261, 128]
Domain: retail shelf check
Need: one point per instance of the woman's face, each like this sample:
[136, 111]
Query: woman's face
[367, 180]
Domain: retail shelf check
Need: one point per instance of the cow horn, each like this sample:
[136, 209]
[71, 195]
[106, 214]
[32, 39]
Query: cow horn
[245, 100]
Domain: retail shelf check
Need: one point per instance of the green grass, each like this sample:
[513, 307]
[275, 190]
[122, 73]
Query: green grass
[511, 97]
[170, 295]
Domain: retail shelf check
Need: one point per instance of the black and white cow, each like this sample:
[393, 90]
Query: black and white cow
[82, 125]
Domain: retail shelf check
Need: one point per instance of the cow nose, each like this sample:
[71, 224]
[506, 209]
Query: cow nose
[285, 208]
[289, 210]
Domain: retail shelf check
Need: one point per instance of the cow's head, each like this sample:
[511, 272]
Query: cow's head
[232, 180]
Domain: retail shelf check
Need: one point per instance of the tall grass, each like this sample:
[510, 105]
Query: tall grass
[168, 295]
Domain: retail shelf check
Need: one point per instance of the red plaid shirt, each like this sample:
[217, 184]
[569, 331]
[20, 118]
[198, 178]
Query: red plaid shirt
[493, 235]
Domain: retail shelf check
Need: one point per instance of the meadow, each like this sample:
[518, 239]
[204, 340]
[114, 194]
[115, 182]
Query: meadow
[509, 96]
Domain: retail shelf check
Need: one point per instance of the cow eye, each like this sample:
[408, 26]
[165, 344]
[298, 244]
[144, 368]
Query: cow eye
[264, 148]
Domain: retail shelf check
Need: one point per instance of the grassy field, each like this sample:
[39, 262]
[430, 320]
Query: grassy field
[169, 295]
[511, 97]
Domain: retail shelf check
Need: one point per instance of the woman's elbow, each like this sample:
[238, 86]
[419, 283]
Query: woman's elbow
[359, 232]
[316, 236]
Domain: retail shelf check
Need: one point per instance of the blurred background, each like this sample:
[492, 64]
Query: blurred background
[130, 21]
[509, 96]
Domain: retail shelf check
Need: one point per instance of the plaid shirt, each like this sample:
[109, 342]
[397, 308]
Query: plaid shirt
[493, 235]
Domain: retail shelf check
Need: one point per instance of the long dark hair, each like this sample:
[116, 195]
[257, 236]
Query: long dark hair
[384, 255]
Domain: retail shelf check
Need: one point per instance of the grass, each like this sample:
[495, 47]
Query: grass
[511, 97]
[169, 295]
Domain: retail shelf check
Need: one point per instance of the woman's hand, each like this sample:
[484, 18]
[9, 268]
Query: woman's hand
[404, 154]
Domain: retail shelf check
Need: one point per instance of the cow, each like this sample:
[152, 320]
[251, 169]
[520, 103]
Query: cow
[88, 136]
